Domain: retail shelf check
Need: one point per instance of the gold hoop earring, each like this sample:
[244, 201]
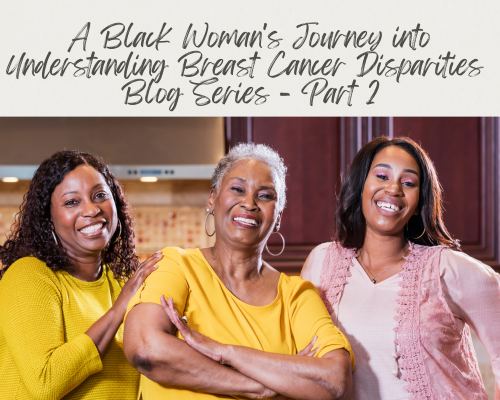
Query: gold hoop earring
[420, 235]
[120, 233]
[55, 237]
[282, 249]
[206, 217]
[408, 231]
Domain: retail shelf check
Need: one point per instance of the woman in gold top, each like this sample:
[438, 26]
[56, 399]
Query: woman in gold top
[240, 311]
[62, 290]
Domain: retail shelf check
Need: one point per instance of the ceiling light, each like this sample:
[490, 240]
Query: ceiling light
[10, 179]
[149, 179]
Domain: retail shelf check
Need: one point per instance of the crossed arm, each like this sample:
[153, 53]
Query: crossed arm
[197, 362]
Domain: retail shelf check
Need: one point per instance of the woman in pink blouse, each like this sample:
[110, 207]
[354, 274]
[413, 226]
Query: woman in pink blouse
[398, 285]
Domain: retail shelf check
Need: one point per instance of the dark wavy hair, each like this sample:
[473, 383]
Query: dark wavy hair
[350, 224]
[31, 233]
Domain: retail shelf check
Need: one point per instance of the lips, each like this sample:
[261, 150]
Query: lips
[245, 221]
[94, 229]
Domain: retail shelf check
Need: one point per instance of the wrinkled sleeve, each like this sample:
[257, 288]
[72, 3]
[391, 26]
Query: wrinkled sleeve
[168, 280]
[472, 290]
[32, 323]
[310, 317]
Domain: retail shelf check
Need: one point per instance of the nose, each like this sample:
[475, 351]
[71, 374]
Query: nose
[90, 209]
[394, 189]
[249, 203]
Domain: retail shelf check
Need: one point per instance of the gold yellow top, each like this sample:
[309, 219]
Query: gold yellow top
[44, 353]
[285, 326]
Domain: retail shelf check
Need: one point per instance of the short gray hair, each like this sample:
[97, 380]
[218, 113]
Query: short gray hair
[256, 152]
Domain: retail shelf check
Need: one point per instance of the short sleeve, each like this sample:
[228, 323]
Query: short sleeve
[168, 280]
[472, 291]
[310, 317]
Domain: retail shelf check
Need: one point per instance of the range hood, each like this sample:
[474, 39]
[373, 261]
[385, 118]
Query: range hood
[134, 148]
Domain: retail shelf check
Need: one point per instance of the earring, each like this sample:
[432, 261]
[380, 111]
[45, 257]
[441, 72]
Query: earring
[206, 217]
[119, 234]
[408, 231]
[420, 235]
[55, 237]
[282, 249]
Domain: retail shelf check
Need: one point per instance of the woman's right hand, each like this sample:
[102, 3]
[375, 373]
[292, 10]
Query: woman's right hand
[134, 283]
[104, 329]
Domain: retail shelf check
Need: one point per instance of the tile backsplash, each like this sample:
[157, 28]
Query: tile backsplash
[7, 215]
[159, 227]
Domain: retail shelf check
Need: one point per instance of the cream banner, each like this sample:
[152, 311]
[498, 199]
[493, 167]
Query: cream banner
[260, 58]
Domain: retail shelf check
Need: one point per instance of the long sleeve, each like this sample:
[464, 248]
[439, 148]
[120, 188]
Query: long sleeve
[31, 323]
[472, 290]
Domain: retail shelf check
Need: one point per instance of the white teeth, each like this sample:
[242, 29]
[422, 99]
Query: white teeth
[246, 221]
[91, 229]
[387, 206]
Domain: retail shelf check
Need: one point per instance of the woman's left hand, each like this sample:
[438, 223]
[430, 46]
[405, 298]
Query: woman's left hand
[201, 343]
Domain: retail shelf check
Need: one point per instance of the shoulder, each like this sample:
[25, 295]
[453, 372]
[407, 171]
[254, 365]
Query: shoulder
[175, 252]
[292, 286]
[29, 280]
[317, 255]
[314, 262]
[455, 264]
[28, 269]
[319, 252]
[181, 262]
[178, 256]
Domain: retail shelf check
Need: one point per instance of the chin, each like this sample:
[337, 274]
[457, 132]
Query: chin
[95, 246]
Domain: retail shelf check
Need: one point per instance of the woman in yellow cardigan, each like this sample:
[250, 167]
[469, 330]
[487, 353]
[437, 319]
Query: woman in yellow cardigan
[62, 290]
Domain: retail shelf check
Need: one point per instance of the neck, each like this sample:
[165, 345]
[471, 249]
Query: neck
[240, 264]
[378, 249]
[86, 268]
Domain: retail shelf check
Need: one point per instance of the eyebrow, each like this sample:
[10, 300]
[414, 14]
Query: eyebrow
[74, 191]
[238, 178]
[262, 187]
[267, 187]
[411, 171]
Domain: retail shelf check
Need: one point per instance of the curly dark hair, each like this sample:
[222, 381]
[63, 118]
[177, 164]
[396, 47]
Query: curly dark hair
[350, 224]
[31, 234]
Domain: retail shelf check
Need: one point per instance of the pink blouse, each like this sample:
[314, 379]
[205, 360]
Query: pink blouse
[438, 301]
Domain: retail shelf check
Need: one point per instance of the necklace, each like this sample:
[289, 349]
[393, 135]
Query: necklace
[374, 280]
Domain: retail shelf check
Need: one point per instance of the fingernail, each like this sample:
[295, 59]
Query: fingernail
[156, 266]
[158, 252]
[314, 339]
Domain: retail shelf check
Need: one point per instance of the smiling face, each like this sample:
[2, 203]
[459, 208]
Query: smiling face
[391, 191]
[245, 207]
[83, 212]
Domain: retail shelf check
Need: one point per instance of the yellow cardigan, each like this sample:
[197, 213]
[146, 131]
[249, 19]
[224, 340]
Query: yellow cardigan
[44, 353]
